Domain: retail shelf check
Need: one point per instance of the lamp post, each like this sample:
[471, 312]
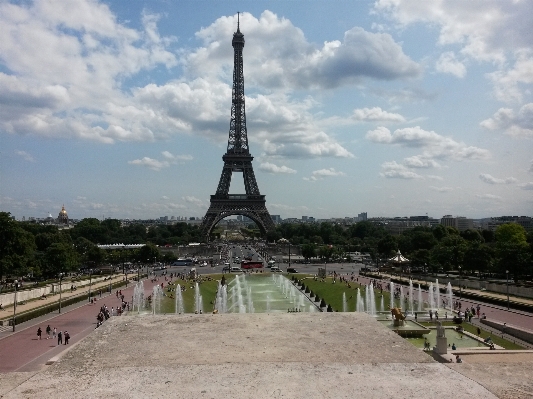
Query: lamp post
[90, 282]
[15, 305]
[289, 254]
[60, 278]
[507, 273]
[460, 286]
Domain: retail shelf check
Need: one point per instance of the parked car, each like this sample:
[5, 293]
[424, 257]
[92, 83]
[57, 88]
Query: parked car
[291, 270]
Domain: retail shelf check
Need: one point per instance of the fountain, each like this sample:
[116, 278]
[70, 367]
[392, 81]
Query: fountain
[411, 297]
[157, 294]
[138, 297]
[179, 301]
[198, 304]
[360, 306]
[344, 303]
[391, 295]
[449, 294]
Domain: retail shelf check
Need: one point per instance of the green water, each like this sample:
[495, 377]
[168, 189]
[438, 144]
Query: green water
[460, 340]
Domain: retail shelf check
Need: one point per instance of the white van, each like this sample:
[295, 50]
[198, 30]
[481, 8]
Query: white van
[275, 269]
[235, 269]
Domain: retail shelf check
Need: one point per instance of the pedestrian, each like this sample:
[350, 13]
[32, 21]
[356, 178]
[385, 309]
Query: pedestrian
[39, 332]
[59, 338]
[478, 331]
[54, 333]
[67, 337]
[48, 331]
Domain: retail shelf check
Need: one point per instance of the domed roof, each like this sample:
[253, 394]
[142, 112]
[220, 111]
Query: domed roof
[63, 211]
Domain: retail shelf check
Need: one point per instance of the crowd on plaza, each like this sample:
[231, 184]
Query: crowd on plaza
[62, 336]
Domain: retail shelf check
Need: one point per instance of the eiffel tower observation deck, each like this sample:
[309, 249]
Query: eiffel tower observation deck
[237, 159]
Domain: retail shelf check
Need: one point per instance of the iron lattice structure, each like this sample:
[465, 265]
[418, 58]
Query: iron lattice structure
[237, 159]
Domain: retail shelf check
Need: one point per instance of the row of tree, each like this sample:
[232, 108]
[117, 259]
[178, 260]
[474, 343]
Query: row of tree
[44, 251]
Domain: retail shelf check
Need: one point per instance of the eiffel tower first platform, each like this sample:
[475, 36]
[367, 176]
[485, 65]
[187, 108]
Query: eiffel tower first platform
[237, 159]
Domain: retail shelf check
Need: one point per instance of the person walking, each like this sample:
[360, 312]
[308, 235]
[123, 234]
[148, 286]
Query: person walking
[67, 337]
[39, 332]
[48, 331]
[59, 338]
[54, 333]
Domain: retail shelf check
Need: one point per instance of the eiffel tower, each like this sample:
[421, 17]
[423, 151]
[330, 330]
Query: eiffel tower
[237, 159]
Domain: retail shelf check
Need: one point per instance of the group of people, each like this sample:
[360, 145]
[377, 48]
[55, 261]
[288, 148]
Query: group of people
[53, 334]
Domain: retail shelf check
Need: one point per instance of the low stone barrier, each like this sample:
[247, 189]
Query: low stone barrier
[27, 294]
[517, 332]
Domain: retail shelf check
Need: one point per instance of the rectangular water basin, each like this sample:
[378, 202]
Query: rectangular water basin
[460, 340]
[409, 329]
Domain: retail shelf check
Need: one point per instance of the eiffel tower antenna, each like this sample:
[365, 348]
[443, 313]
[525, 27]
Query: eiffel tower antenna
[237, 159]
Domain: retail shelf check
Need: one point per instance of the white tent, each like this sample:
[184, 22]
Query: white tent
[399, 258]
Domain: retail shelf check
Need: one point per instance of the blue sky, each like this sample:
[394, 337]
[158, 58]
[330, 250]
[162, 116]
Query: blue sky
[391, 107]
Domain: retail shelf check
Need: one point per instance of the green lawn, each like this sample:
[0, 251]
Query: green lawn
[332, 293]
[208, 290]
[484, 334]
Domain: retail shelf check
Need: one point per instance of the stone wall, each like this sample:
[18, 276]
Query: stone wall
[34, 293]
[524, 335]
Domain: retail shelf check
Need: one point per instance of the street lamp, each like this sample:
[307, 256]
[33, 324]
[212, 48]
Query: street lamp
[15, 305]
[460, 286]
[507, 273]
[90, 282]
[60, 278]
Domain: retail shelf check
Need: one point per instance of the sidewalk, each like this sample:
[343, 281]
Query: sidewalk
[7, 315]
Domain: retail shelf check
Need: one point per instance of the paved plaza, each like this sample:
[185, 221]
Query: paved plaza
[287, 355]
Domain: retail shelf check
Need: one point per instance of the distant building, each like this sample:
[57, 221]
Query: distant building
[276, 218]
[461, 223]
[362, 217]
[62, 218]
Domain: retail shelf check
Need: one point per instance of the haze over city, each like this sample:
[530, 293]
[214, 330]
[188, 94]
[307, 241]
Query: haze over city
[122, 109]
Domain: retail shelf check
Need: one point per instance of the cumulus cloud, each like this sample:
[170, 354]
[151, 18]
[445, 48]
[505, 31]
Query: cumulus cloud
[157, 165]
[493, 31]
[514, 124]
[376, 114]
[493, 180]
[283, 57]
[193, 200]
[526, 186]
[441, 189]
[323, 173]
[272, 168]
[489, 196]
[447, 63]
[150, 163]
[394, 170]
[433, 144]
[24, 155]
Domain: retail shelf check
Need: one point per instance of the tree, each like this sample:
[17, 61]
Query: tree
[59, 258]
[308, 251]
[17, 247]
[512, 249]
[148, 253]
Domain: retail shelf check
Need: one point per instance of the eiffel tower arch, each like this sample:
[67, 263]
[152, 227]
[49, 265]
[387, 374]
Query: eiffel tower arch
[237, 159]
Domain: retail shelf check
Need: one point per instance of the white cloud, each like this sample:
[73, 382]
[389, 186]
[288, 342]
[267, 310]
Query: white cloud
[282, 56]
[394, 170]
[531, 167]
[272, 168]
[24, 155]
[489, 196]
[447, 63]
[150, 163]
[176, 158]
[323, 173]
[493, 180]
[493, 31]
[164, 197]
[417, 161]
[514, 124]
[526, 186]
[434, 145]
[441, 189]
[376, 114]
[193, 200]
